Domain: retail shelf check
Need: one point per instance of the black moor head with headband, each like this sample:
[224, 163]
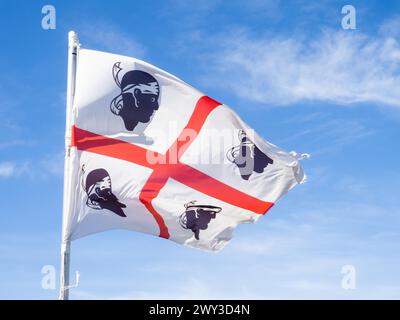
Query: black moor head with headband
[248, 157]
[99, 193]
[138, 98]
[197, 217]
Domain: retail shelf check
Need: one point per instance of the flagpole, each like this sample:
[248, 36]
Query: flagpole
[73, 46]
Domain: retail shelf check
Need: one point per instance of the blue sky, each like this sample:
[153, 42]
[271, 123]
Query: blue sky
[291, 72]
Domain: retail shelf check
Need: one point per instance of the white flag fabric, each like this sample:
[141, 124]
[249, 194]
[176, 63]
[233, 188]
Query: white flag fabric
[150, 153]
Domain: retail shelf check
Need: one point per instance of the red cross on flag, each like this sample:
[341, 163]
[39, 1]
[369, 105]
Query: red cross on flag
[147, 152]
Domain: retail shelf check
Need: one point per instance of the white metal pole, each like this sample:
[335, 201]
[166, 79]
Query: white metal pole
[65, 259]
[73, 46]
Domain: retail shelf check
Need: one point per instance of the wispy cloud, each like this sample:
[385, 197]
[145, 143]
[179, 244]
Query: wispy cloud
[16, 143]
[51, 164]
[191, 288]
[342, 67]
[201, 8]
[8, 169]
[103, 35]
[324, 132]
[297, 256]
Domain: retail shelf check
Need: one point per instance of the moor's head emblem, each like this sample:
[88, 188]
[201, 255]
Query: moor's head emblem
[138, 98]
[197, 217]
[99, 193]
[248, 157]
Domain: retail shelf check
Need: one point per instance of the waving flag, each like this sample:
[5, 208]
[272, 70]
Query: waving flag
[150, 153]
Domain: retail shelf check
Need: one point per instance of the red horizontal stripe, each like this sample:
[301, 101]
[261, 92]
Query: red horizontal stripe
[92, 142]
[212, 187]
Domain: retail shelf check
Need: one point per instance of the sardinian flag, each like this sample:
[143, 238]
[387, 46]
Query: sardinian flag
[150, 153]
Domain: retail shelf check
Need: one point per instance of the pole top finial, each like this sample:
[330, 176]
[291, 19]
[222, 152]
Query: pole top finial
[73, 39]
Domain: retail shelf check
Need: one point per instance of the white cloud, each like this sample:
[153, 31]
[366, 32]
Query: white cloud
[12, 169]
[16, 143]
[190, 289]
[297, 256]
[324, 134]
[206, 7]
[102, 35]
[7, 169]
[51, 164]
[343, 67]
